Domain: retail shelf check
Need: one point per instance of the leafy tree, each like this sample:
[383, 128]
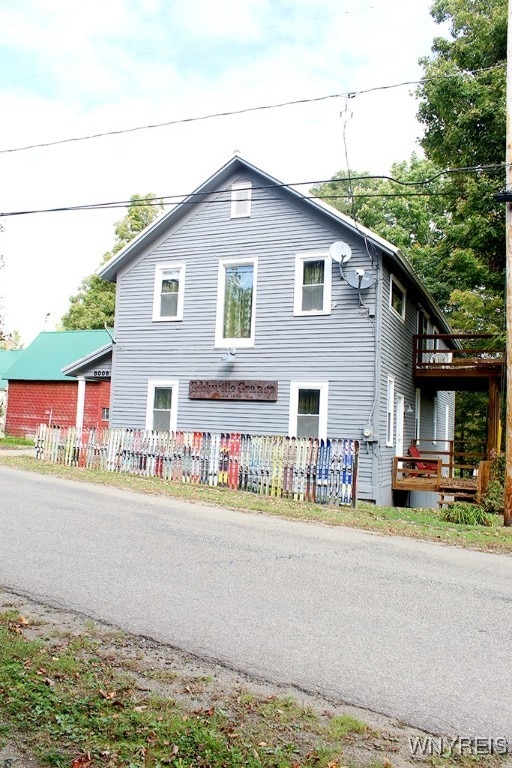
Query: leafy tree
[12, 341]
[409, 212]
[94, 304]
[463, 110]
[455, 238]
[464, 114]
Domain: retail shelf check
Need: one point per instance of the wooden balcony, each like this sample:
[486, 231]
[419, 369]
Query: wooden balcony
[463, 362]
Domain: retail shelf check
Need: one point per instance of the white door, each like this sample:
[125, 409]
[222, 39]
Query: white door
[399, 433]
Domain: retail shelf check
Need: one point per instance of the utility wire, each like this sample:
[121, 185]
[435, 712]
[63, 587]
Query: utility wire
[246, 110]
[113, 206]
[194, 197]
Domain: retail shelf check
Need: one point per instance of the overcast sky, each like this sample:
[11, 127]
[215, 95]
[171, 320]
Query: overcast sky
[74, 69]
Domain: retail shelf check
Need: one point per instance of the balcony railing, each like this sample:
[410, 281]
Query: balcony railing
[459, 470]
[460, 361]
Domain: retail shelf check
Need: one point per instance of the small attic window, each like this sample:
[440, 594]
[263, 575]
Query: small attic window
[241, 199]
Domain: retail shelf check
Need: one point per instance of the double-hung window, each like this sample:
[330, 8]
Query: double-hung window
[236, 303]
[168, 292]
[161, 409]
[308, 409]
[397, 298]
[313, 273]
[241, 199]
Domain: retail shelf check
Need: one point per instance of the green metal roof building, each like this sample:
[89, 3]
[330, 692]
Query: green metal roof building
[7, 359]
[39, 392]
[51, 351]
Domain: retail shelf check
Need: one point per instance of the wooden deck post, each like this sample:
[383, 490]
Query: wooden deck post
[507, 501]
[493, 418]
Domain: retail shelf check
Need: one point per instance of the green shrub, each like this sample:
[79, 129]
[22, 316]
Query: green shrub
[493, 499]
[498, 468]
[462, 513]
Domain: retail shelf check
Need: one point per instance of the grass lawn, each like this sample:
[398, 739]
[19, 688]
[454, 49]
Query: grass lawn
[15, 442]
[424, 524]
[79, 694]
[92, 699]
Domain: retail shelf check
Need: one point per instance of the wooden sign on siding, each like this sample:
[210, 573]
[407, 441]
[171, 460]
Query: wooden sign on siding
[232, 389]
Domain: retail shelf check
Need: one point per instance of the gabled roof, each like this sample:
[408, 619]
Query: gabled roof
[158, 228]
[74, 368]
[237, 164]
[51, 351]
[7, 358]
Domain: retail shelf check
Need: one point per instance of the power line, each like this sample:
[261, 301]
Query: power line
[246, 110]
[193, 197]
[139, 203]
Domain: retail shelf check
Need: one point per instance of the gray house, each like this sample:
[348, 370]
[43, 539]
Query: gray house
[252, 308]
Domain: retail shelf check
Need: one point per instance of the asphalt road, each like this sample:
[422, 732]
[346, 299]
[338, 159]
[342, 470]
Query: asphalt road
[414, 630]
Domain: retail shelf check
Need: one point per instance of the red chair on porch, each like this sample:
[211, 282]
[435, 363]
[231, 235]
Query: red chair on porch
[419, 462]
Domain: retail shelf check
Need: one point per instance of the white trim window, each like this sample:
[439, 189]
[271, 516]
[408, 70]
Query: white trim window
[162, 405]
[390, 411]
[313, 281]
[308, 409]
[241, 198]
[397, 298]
[169, 291]
[236, 303]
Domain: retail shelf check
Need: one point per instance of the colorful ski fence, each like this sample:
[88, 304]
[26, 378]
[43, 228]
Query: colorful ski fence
[304, 469]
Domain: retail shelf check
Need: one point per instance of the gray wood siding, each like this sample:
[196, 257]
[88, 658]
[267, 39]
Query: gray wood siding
[395, 359]
[338, 348]
[395, 352]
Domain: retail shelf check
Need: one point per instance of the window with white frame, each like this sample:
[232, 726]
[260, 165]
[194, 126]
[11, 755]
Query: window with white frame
[168, 292]
[390, 410]
[241, 194]
[236, 303]
[308, 409]
[397, 297]
[313, 279]
[162, 405]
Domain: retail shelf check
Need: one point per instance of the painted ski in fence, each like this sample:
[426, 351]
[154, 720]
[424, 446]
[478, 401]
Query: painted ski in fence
[305, 469]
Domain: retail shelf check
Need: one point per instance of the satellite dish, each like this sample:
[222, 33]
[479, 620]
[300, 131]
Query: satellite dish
[360, 279]
[340, 251]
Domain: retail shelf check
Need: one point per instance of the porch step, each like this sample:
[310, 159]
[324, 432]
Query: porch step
[469, 496]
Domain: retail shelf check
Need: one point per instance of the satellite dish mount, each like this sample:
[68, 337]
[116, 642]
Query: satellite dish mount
[340, 252]
[360, 280]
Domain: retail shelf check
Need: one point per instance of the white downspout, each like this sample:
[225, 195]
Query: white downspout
[80, 403]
